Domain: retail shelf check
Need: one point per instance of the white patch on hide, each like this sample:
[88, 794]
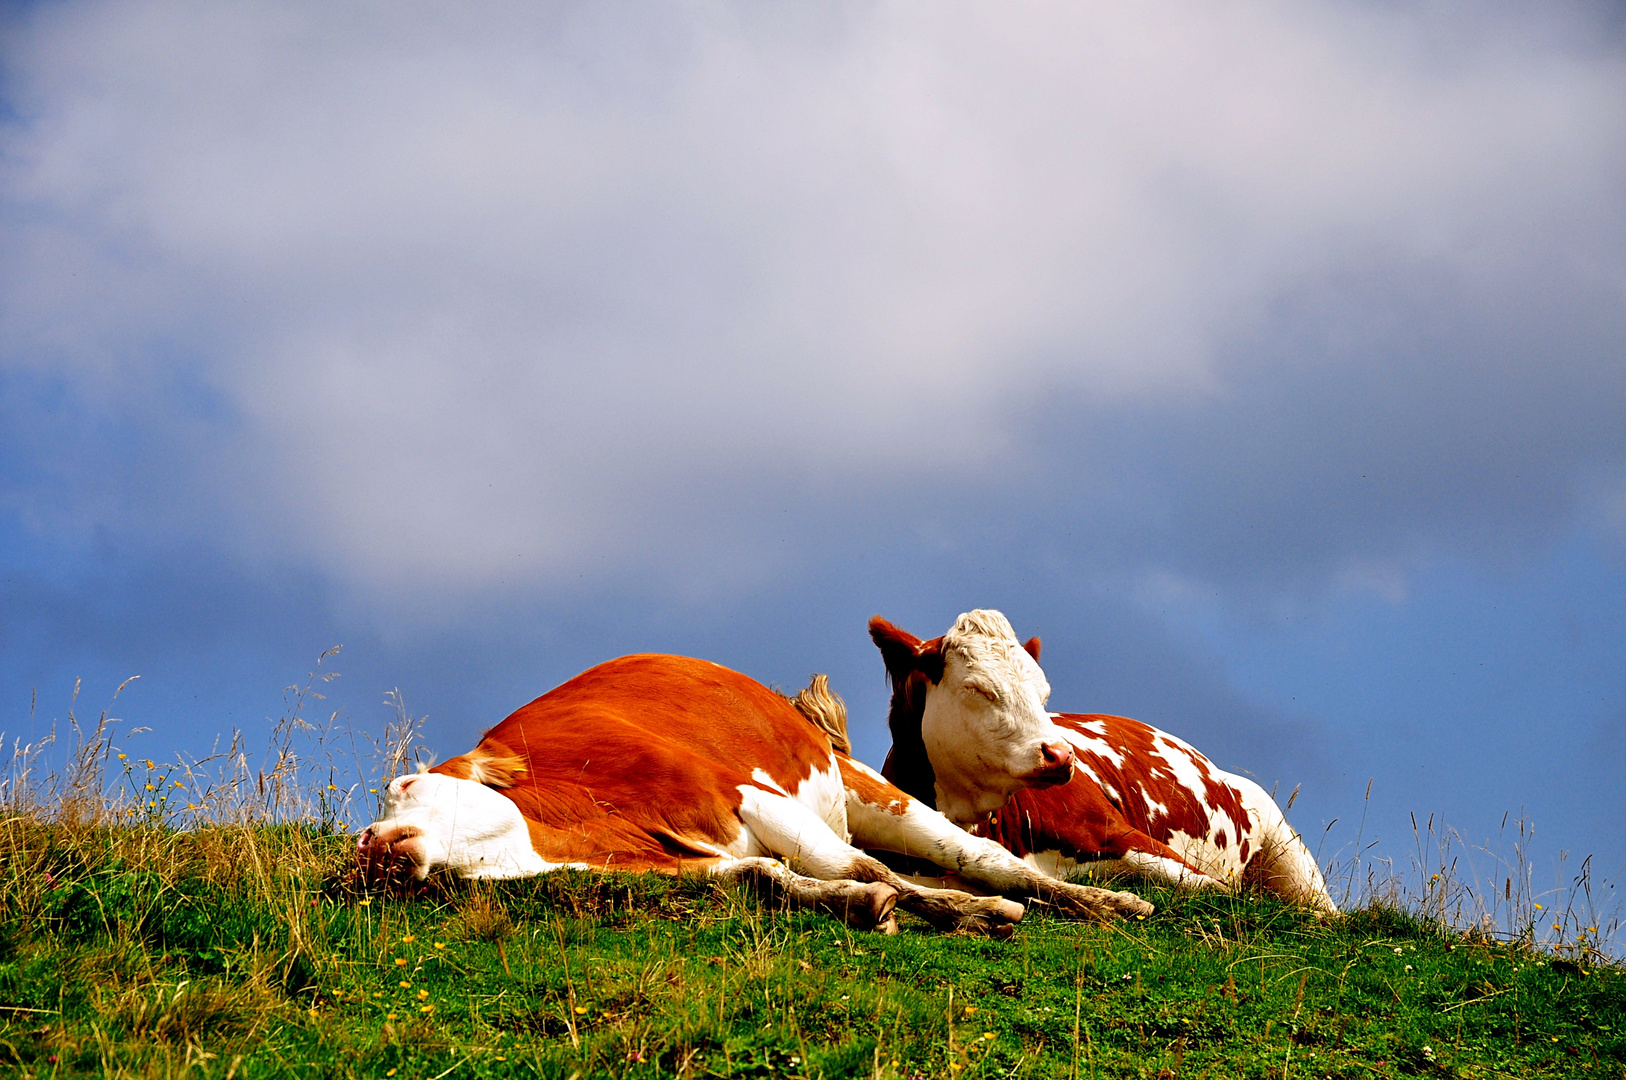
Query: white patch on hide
[1093, 742]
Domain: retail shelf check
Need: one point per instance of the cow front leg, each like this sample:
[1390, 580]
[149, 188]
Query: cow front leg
[885, 818]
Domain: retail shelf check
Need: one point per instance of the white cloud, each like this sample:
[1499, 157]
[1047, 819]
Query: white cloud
[482, 297]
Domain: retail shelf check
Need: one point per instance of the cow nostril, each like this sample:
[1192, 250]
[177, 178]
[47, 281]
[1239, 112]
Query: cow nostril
[1056, 754]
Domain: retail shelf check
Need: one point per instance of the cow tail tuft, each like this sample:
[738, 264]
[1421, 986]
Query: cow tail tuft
[825, 710]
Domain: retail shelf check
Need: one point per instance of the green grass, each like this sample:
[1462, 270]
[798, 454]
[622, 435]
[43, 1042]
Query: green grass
[239, 951]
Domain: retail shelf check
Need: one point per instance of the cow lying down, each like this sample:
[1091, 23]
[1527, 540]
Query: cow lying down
[1141, 801]
[675, 765]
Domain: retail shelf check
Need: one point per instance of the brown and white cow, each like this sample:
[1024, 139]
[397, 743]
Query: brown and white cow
[672, 764]
[1140, 800]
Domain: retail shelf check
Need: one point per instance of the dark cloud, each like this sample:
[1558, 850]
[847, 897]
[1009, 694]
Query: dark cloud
[1371, 427]
[434, 309]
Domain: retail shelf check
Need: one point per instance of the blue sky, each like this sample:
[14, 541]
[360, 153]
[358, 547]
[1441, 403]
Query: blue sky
[1267, 360]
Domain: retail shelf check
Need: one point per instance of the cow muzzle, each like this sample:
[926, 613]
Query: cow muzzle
[1056, 762]
[389, 854]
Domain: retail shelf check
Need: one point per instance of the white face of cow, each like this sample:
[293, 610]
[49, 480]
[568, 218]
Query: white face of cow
[984, 725]
[432, 822]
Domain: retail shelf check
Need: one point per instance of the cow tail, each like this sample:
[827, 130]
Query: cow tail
[824, 709]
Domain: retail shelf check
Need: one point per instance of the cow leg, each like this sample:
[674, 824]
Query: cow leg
[787, 828]
[1136, 853]
[861, 905]
[881, 816]
[1284, 864]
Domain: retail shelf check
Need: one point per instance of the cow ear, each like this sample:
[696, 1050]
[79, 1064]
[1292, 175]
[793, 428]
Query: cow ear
[898, 647]
[929, 659]
[1032, 646]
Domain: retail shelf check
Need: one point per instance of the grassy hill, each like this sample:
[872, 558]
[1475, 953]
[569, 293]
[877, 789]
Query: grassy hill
[239, 951]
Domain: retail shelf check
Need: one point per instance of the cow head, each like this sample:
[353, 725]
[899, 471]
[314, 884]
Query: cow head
[433, 822]
[972, 705]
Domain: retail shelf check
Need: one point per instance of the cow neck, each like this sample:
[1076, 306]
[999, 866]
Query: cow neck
[907, 765]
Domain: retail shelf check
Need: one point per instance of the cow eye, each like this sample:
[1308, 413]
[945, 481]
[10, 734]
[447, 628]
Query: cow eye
[982, 692]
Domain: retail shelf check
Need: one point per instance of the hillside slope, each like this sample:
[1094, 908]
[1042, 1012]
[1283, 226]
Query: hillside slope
[239, 952]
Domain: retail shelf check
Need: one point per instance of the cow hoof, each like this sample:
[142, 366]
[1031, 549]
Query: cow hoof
[882, 899]
[1130, 904]
[866, 906]
[989, 916]
[1009, 910]
[983, 925]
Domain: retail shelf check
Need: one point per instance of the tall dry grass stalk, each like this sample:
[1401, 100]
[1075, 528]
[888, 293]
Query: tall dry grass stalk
[94, 837]
[1489, 890]
[312, 773]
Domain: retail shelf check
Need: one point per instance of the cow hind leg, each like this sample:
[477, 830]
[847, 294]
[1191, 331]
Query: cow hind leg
[1284, 866]
[789, 829]
[860, 904]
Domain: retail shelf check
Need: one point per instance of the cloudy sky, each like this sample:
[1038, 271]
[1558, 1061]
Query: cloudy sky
[1268, 360]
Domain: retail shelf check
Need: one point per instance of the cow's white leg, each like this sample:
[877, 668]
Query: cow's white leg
[1169, 871]
[881, 816]
[1148, 864]
[792, 830]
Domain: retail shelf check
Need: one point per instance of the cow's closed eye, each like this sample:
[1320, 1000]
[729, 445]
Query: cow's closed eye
[984, 692]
